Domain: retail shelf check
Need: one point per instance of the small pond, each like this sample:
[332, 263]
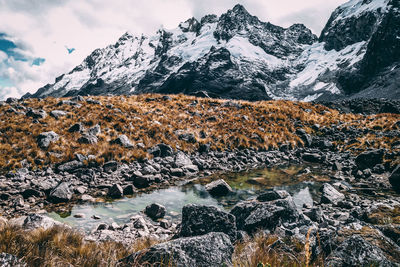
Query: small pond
[302, 182]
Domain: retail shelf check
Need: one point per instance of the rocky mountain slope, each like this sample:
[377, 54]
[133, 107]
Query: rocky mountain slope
[238, 56]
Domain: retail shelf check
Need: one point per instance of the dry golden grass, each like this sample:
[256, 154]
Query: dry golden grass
[266, 251]
[58, 246]
[61, 246]
[260, 125]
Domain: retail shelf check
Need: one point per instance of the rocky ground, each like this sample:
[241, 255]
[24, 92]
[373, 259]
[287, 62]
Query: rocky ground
[355, 222]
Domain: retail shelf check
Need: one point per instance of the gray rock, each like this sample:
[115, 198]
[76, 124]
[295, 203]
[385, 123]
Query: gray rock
[330, 195]
[87, 139]
[178, 172]
[210, 250]
[61, 193]
[369, 159]
[122, 140]
[254, 215]
[115, 191]
[37, 114]
[70, 166]
[77, 127]
[155, 211]
[44, 139]
[201, 219]
[110, 166]
[35, 221]
[182, 160]
[311, 157]
[57, 113]
[272, 194]
[95, 130]
[161, 150]
[356, 251]
[218, 188]
[187, 137]
[204, 148]
[143, 181]
[8, 260]
[129, 190]
[394, 178]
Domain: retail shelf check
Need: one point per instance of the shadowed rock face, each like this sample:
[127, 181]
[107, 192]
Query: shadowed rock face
[213, 249]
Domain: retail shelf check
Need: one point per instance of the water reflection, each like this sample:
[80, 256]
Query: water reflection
[303, 187]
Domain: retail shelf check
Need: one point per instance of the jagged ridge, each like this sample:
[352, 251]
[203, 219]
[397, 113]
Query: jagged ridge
[238, 56]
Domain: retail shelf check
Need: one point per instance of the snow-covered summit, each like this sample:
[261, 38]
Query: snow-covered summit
[233, 56]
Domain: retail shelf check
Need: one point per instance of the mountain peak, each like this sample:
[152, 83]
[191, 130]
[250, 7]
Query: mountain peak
[190, 25]
[238, 8]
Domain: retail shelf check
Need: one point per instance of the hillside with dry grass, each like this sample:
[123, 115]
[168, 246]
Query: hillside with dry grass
[148, 120]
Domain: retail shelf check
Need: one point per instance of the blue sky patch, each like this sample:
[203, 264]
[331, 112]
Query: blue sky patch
[38, 61]
[9, 47]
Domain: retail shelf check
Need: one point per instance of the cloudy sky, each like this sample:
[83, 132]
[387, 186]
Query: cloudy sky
[41, 39]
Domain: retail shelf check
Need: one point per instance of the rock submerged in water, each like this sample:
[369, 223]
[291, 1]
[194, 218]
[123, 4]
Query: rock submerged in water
[218, 188]
[155, 211]
[210, 250]
[202, 219]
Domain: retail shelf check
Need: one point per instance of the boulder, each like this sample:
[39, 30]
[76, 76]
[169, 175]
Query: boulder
[369, 159]
[182, 160]
[210, 250]
[161, 150]
[330, 195]
[70, 166]
[204, 148]
[218, 188]
[312, 157]
[129, 190]
[272, 194]
[201, 219]
[57, 113]
[87, 139]
[356, 251]
[37, 114]
[187, 137]
[95, 130]
[61, 193]
[27, 193]
[110, 166]
[122, 140]
[77, 127]
[9, 260]
[143, 181]
[115, 191]
[254, 215]
[394, 178]
[35, 221]
[44, 139]
[155, 211]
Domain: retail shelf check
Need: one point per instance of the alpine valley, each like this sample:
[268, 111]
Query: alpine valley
[238, 56]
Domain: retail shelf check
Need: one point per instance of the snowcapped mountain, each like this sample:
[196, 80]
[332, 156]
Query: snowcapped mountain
[238, 56]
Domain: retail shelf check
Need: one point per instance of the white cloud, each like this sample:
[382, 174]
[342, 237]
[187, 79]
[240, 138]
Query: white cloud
[9, 91]
[42, 28]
